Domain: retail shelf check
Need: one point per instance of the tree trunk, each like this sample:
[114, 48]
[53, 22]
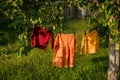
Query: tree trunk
[113, 70]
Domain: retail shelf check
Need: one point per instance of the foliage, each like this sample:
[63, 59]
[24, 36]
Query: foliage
[104, 16]
[110, 12]
[22, 15]
[38, 66]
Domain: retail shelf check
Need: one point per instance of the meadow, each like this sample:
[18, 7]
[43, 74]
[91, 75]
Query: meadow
[37, 65]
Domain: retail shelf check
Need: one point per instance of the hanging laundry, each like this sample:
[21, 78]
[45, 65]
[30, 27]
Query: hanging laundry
[40, 38]
[64, 50]
[90, 43]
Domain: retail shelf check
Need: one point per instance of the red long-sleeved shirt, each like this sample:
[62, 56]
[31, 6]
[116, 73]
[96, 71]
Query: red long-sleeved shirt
[40, 38]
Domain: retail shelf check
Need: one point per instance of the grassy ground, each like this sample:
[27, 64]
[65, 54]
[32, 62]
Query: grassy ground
[37, 65]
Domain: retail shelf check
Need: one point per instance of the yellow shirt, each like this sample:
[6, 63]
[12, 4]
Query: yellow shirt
[90, 43]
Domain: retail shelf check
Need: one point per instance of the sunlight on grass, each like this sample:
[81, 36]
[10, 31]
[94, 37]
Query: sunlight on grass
[37, 65]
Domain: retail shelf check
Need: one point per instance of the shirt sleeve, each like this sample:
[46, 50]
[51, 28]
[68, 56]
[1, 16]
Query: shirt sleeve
[51, 40]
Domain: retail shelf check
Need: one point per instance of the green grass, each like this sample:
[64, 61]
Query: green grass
[37, 65]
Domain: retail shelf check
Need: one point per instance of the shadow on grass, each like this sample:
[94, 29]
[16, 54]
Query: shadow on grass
[101, 62]
[100, 59]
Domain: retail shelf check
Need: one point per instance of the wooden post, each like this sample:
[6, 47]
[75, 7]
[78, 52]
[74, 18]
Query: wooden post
[113, 70]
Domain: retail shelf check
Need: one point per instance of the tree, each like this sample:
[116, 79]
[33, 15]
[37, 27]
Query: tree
[41, 12]
[23, 15]
[111, 12]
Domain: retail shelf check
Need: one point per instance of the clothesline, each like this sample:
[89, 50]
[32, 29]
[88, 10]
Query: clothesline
[64, 45]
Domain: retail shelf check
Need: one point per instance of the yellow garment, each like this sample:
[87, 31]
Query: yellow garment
[90, 43]
[64, 50]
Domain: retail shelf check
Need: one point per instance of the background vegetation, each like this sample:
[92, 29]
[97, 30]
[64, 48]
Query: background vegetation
[19, 61]
[37, 65]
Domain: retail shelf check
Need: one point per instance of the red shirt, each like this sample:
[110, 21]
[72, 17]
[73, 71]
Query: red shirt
[40, 38]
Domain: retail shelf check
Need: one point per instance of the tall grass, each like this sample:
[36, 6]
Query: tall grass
[37, 65]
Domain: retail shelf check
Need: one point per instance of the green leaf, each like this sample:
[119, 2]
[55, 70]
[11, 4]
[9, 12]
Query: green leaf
[109, 11]
[103, 7]
[100, 10]
[21, 2]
